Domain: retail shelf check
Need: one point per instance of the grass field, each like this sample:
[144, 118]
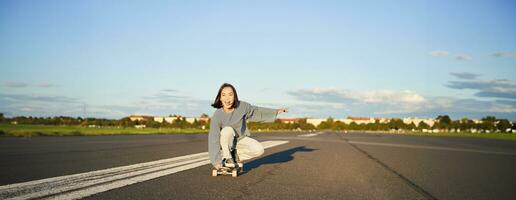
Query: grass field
[42, 130]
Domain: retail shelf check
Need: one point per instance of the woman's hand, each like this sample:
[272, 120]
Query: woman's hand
[282, 110]
[218, 166]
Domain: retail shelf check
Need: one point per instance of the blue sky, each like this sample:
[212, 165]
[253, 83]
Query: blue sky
[318, 58]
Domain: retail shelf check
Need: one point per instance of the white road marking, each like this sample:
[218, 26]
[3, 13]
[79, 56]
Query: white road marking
[431, 147]
[311, 134]
[81, 185]
[269, 144]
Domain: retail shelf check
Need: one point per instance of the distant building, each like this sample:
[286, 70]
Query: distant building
[140, 118]
[290, 120]
[166, 119]
[315, 122]
[191, 120]
[139, 126]
[361, 120]
[382, 120]
[416, 121]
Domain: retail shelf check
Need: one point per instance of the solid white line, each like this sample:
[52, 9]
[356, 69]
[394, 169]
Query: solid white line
[311, 134]
[101, 172]
[431, 147]
[69, 186]
[270, 144]
[84, 183]
[117, 184]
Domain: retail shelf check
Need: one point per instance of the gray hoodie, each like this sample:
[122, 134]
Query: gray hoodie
[237, 120]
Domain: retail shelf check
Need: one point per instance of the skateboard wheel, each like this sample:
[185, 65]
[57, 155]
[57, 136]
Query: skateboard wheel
[234, 173]
[214, 172]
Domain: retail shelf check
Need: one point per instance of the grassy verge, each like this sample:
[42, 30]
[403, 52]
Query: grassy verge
[42, 130]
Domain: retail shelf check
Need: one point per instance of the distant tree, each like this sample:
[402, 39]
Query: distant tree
[443, 122]
[422, 125]
[503, 125]
[2, 118]
[328, 124]
[353, 126]
[305, 126]
[153, 124]
[455, 125]
[488, 123]
[396, 124]
[489, 119]
[411, 126]
[180, 122]
[466, 124]
[444, 119]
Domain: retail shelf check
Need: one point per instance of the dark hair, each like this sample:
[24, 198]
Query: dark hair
[218, 104]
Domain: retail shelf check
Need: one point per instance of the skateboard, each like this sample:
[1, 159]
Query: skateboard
[228, 170]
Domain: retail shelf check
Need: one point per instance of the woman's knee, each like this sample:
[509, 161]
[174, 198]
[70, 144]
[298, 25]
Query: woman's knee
[257, 150]
[227, 131]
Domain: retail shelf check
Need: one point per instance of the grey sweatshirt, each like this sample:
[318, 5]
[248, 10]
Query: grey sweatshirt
[237, 120]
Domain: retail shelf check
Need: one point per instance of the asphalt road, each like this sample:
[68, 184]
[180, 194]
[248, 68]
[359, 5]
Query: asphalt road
[318, 166]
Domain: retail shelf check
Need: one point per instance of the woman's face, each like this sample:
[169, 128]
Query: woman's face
[227, 97]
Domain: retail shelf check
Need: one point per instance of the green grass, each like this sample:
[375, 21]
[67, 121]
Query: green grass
[43, 130]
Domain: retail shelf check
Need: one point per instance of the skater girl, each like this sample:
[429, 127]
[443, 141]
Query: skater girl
[228, 124]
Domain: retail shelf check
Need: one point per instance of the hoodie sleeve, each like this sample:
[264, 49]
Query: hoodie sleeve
[214, 142]
[260, 114]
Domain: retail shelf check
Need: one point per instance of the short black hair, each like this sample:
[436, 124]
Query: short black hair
[218, 104]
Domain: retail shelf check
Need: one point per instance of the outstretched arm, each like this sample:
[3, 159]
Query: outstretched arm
[260, 114]
[282, 110]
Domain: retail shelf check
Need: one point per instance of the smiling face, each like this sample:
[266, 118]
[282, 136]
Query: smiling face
[227, 97]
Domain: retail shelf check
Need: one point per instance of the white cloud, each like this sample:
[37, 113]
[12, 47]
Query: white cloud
[439, 53]
[462, 57]
[373, 96]
[15, 84]
[493, 88]
[464, 75]
[505, 54]
[398, 103]
[45, 85]
[457, 56]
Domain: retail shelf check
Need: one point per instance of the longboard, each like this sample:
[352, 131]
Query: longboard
[228, 170]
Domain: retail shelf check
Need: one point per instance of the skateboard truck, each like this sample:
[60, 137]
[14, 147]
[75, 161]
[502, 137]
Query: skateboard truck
[239, 167]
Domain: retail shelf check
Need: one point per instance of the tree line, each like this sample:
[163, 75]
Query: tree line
[179, 122]
[443, 123]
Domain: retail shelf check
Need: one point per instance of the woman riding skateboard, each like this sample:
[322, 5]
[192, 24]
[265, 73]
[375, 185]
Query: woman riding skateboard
[228, 124]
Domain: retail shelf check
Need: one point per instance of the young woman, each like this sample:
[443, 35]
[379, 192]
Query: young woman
[229, 123]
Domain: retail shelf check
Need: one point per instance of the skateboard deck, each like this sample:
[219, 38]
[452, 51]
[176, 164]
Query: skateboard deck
[233, 171]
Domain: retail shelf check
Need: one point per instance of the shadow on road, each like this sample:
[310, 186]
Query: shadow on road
[279, 157]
